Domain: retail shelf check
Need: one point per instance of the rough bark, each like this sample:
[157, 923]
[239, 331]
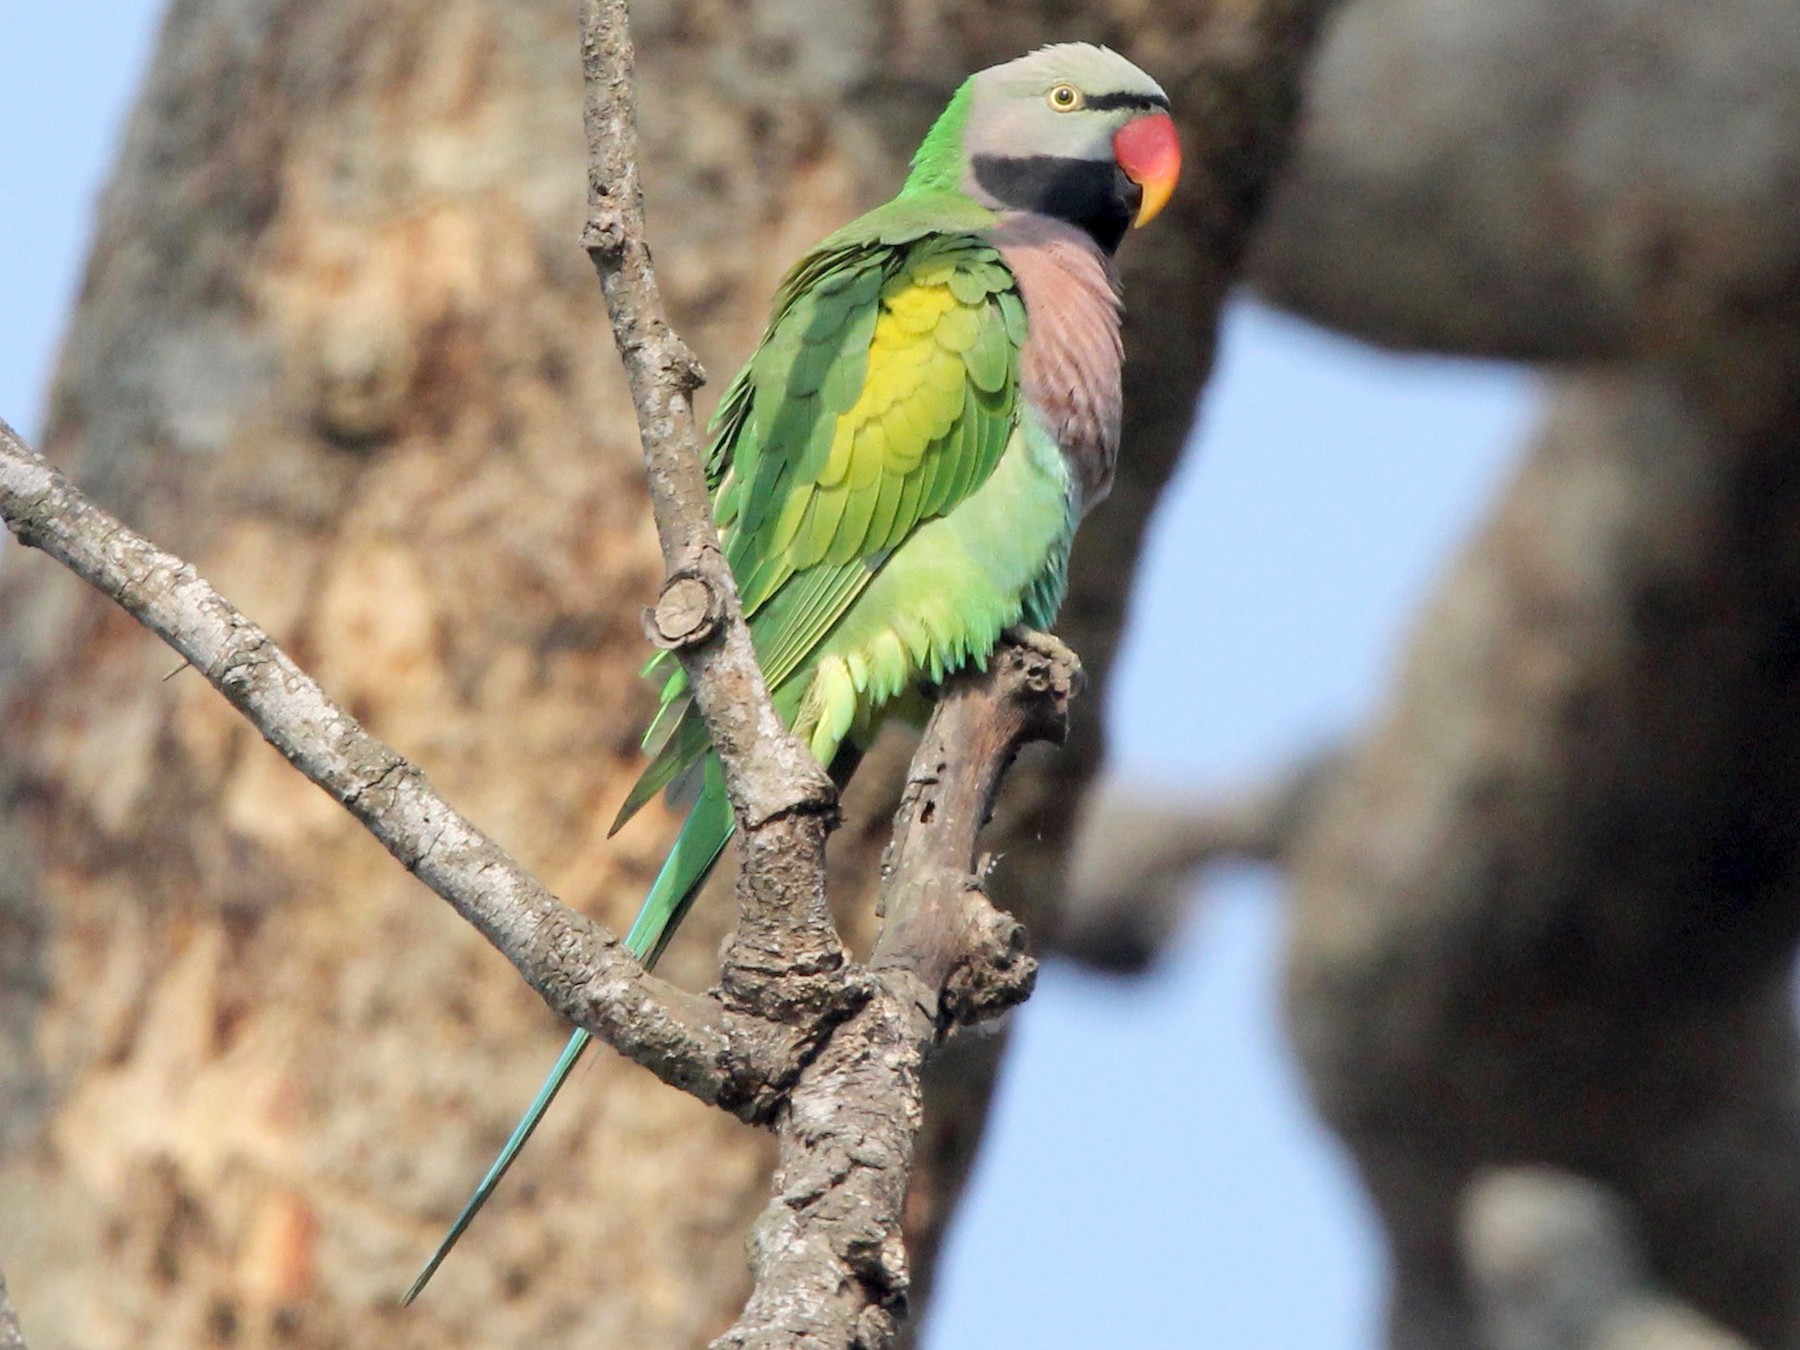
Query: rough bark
[336, 345]
[829, 1251]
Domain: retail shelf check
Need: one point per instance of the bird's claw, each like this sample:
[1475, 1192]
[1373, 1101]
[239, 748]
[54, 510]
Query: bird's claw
[1046, 645]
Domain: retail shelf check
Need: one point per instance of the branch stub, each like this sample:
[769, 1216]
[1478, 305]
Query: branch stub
[604, 234]
[686, 613]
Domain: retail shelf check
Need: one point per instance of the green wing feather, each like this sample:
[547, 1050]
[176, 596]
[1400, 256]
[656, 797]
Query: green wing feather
[883, 393]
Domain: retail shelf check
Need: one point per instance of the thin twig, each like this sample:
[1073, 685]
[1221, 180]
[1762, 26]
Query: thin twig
[575, 964]
[829, 1260]
[783, 800]
[769, 771]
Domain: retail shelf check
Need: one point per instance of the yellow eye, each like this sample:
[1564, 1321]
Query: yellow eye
[1065, 98]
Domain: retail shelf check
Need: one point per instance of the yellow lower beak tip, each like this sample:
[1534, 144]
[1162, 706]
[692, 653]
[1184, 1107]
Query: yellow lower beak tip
[1156, 195]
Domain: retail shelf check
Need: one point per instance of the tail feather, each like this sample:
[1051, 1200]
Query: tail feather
[521, 1133]
[697, 849]
[684, 871]
[683, 742]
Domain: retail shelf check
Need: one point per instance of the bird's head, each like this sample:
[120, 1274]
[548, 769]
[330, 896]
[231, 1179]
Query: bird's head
[1072, 131]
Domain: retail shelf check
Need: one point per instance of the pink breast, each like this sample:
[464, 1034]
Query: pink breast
[1071, 363]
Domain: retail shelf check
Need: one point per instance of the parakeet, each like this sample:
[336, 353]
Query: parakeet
[898, 472]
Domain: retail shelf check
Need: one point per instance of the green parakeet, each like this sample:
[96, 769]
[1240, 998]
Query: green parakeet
[898, 471]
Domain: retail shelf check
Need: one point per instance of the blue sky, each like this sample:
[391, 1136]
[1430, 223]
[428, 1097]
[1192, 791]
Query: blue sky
[1153, 1177]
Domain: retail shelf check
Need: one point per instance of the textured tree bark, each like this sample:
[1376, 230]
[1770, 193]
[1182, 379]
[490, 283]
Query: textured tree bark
[338, 346]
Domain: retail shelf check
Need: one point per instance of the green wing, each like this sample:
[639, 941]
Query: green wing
[883, 394]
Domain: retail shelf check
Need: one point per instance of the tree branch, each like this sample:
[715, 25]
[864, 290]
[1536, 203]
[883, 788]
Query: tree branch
[1138, 852]
[783, 800]
[830, 1261]
[938, 922]
[828, 1254]
[576, 965]
[849, 1125]
[830, 1257]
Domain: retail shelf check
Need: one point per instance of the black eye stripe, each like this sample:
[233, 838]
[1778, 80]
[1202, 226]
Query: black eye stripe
[1109, 102]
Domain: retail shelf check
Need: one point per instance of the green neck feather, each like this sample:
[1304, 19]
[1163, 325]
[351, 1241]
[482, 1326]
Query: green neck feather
[937, 166]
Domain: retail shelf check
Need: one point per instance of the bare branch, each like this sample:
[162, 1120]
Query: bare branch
[575, 964]
[11, 1337]
[784, 802]
[939, 924]
[828, 1254]
[1138, 852]
[1236, 68]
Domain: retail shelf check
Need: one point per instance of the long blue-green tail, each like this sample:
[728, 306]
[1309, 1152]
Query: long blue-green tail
[697, 848]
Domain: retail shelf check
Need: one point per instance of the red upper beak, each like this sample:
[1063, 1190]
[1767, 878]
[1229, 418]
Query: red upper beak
[1149, 153]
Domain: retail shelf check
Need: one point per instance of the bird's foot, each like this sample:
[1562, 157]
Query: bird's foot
[1041, 674]
[1046, 645]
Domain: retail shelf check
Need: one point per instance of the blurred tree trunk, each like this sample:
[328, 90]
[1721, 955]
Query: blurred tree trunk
[1546, 910]
[337, 346]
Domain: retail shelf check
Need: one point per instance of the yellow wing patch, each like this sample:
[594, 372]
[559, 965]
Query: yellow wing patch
[912, 396]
